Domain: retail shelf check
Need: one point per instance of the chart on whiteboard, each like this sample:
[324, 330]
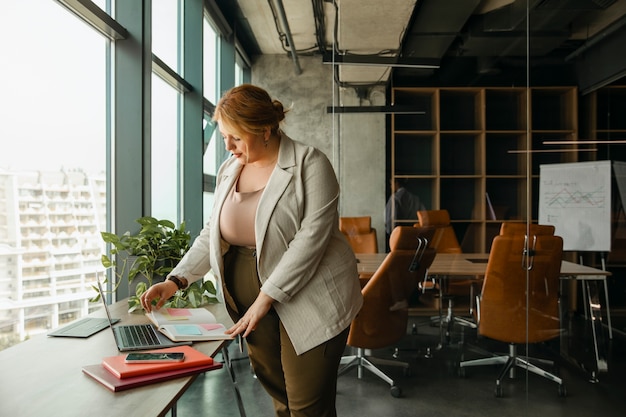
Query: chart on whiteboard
[576, 199]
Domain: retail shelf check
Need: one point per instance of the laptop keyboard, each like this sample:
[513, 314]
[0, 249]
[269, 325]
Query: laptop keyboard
[138, 335]
[84, 327]
[87, 325]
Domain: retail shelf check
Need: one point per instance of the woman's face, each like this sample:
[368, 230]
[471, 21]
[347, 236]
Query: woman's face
[246, 147]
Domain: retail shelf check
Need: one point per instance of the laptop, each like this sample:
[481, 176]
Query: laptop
[82, 328]
[133, 337]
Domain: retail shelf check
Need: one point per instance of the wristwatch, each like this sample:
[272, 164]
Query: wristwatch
[179, 283]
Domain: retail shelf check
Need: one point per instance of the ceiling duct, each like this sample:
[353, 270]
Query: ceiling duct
[356, 21]
[468, 39]
[435, 26]
[282, 18]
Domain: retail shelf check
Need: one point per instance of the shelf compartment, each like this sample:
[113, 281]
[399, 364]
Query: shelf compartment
[611, 107]
[414, 154]
[470, 236]
[616, 152]
[554, 108]
[460, 196]
[424, 188]
[541, 158]
[507, 196]
[505, 109]
[422, 100]
[460, 154]
[500, 160]
[460, 109]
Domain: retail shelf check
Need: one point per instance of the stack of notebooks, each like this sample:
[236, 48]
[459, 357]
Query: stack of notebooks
[117, 375]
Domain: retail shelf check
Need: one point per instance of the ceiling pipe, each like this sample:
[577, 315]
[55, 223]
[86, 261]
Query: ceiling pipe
[617, 25]
[283, 21]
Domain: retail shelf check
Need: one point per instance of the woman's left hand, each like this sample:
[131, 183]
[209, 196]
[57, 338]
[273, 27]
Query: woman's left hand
[255, 313]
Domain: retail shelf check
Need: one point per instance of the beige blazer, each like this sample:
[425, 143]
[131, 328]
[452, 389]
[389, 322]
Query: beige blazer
[304, 261]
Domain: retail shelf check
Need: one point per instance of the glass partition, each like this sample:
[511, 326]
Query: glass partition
[575, 159]
[522, 147]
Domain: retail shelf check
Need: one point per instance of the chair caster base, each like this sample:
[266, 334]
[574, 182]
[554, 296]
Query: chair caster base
[498, 391]
[396, 391]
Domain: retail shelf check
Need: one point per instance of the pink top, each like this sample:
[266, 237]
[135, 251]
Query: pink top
[237, 218]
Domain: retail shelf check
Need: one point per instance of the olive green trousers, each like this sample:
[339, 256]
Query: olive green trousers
[300, 385]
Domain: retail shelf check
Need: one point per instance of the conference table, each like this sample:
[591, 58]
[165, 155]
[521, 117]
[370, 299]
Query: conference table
[43, 376]
[451, 265]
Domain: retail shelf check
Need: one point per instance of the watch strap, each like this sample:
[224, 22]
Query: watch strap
[178, 282]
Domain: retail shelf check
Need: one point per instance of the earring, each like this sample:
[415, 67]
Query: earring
[266, 143]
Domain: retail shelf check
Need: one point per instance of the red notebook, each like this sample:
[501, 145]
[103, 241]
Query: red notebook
[120, 369]
[106, 378]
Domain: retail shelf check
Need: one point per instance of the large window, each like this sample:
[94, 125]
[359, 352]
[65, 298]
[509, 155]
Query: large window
[77, 99]
[218, 76]
[210, 81]
[165, 151]
[165, 31]
[52, 167]
[209, 67]
[165, 113]
[53, 91]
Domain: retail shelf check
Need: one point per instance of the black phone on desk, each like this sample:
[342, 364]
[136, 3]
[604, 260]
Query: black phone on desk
[154, 357]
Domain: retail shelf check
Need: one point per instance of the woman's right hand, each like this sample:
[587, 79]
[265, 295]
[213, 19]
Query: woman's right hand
[160, 292]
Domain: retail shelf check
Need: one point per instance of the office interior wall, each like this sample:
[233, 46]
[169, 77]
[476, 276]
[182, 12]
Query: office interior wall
[306, 95]
[355, 143]
[362, 156]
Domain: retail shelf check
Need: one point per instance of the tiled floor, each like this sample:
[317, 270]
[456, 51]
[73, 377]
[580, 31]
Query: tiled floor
[434, 387]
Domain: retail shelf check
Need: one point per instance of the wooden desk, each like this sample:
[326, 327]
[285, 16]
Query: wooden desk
[475, 264]
[42, 376]
[464, 264]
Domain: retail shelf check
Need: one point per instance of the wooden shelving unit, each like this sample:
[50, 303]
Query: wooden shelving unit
[443, 153]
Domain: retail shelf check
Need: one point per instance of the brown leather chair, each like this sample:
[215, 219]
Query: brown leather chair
[378, 325]
[445, 241]
[360, 234]
[519, 302]
[516, 228]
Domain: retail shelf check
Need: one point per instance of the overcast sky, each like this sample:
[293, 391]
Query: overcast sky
[52, 101]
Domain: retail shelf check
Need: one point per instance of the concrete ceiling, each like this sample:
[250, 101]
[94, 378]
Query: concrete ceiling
[468, 39]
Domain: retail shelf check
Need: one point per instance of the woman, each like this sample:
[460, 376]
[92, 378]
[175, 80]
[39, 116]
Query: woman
[289, 276]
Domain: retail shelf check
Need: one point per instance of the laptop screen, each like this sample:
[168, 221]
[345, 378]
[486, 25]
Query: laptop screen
[104, 303]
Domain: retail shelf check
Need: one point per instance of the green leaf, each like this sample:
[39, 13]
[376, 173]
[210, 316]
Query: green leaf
[209, 287]
[106, 261]
[134, 303]
[140, 288]
[109, 237]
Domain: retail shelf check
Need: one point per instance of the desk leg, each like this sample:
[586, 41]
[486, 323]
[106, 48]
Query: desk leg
[582, 340]
[608, 310]
[593, 301]
[231, 372]
[587, 304]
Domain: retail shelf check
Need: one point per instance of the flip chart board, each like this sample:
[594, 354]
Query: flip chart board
[576, 199]
[619, 170]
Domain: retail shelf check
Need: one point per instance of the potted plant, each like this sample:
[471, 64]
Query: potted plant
[148, 256]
